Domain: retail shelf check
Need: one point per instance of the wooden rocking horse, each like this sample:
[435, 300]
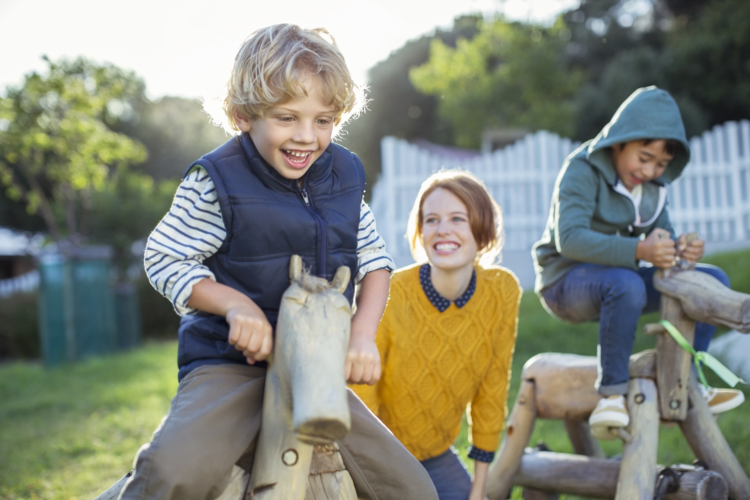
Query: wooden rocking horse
[305, 409]
[662, 387]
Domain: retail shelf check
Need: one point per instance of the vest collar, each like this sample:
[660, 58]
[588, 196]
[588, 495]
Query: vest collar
[318, 172]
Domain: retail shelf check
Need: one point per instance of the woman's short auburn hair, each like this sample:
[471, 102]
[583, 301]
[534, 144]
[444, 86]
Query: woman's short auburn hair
[485, 216]
[271, 63]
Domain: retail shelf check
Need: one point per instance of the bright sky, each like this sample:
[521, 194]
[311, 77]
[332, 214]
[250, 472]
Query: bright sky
[186, 48]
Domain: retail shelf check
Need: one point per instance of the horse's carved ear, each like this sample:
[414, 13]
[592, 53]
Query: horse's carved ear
[295, 268]
[341, 280]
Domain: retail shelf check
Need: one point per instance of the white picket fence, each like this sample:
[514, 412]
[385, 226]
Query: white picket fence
[711, 197]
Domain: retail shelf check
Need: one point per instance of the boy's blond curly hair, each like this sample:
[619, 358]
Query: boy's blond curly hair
[272, 61]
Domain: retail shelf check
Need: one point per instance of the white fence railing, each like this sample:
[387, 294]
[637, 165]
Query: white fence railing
[711, 197]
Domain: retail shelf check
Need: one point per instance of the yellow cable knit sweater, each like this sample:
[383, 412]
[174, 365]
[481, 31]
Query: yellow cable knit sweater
[435, 364]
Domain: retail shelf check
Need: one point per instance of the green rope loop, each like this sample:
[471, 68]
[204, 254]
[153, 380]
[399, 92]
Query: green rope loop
[702, 358]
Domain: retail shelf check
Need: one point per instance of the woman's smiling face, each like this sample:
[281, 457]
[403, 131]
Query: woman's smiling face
[446, 231]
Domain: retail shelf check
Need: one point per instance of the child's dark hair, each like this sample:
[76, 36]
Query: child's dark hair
[670, 145]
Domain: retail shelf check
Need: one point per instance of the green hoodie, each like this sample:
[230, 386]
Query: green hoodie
[592, 218]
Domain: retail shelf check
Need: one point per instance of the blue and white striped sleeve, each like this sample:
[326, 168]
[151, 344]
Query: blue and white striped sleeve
[192, 231]
[371, 254]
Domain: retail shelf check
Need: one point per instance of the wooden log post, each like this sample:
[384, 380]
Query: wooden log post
[636, 480]
[673, 362]
[597, 477]
[708, 443]
[517, 434]
[582, 440]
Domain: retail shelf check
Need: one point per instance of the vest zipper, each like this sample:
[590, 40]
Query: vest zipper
[321, 250]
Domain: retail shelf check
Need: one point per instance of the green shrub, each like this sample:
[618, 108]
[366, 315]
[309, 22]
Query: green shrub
[19, 328]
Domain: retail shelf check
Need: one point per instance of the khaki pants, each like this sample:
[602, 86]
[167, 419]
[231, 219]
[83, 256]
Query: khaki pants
[214, 422]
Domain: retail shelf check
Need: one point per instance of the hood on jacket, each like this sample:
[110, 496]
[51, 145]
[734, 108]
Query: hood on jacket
[649, 113]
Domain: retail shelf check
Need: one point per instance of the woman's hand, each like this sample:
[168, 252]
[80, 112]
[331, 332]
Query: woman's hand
[658, 248]
[479, 484]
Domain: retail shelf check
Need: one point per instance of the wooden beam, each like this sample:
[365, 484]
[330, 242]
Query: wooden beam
[708, 443]
[597, 477]
[636, 480]
[517, 434]
[564, 383]
[706, 299]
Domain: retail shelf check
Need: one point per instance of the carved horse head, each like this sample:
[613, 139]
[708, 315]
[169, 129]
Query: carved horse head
[312, 336]
[305, 401]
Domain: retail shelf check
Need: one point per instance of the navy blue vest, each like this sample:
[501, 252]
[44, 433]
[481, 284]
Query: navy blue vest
[268, 220]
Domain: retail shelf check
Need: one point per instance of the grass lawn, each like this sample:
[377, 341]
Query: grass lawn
[71, 432]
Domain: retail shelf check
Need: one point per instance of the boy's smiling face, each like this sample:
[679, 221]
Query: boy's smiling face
[293, 134]
[637, 162]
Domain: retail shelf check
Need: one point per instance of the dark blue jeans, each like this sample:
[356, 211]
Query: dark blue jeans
[448, 473]
[616, 297]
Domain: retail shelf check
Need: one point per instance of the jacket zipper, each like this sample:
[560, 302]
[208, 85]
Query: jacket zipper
[321, 250]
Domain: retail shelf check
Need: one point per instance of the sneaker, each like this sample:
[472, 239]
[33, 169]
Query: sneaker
[609, 412]
[721, 400]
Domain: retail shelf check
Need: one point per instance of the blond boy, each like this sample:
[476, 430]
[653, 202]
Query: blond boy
[221, 255]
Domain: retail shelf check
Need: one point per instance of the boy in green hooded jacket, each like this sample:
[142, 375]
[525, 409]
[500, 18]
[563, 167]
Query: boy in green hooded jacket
[608, 213]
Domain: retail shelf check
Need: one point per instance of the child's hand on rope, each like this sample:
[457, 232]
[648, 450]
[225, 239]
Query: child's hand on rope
[658, 248]
[362, 361]
[250, 332]
[691, 249]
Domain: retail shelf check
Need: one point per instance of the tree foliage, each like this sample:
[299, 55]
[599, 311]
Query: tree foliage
[176, 132]
[509, 75]
[56, 150]
[398, 109]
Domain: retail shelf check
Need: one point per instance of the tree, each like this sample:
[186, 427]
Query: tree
[125, 212]
[396, 107]
[509, 75]
[709, 60]
[176, 132]
[56, 148]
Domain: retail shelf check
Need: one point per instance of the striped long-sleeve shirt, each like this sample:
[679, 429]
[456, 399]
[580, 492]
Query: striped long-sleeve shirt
[193, 230]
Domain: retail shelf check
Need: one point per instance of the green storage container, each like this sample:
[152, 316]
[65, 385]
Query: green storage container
[77, 314]
[128, 316]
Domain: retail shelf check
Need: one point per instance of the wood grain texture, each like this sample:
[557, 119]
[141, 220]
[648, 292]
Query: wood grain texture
[305, 401]
[597, 477]
[708, 443]
[673, 362]
[518, 431]
[583, 442]
[565, 382]
[706, 299]
[636, 480]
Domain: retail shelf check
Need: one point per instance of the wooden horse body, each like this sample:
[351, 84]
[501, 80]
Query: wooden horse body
[305, 407]
[561, 386]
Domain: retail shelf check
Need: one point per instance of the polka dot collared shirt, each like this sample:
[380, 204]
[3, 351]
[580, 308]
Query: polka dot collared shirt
[437, 300]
